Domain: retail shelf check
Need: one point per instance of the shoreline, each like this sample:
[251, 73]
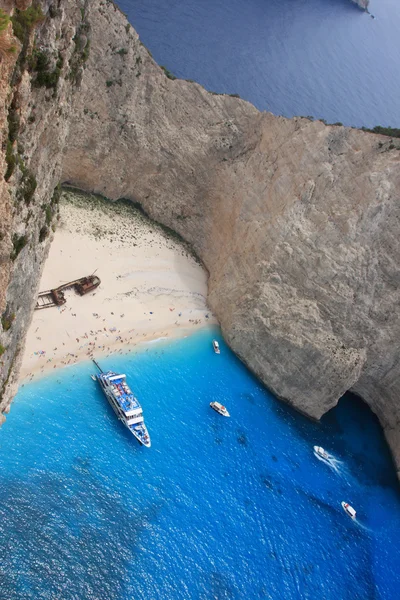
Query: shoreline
[46, 367]
[151, 287]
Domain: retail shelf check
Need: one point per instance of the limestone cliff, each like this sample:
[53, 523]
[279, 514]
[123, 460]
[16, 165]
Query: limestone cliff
[296, 222]
[362, 4]
[34, 112]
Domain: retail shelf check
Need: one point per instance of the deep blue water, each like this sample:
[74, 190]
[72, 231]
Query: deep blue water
[325, 58]
[217, 508]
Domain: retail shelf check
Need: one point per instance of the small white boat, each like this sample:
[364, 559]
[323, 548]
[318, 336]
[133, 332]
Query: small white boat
[321, 452]
[93, 377]
[349, 510]
[220, 408]
[216, 347]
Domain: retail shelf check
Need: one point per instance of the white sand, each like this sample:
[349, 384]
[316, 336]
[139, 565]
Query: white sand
[151, 286]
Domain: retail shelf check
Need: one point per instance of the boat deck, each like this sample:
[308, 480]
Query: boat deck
[124, 396]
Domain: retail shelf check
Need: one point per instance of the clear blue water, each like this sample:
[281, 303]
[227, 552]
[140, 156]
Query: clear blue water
[324, 58]
[217, 508]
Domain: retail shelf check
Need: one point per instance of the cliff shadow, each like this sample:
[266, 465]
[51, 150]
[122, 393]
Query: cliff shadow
[351, 432]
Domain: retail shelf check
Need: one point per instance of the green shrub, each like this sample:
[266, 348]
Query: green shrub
[122, 51]
[7, 320]
[43, 233]
[168, 73]
[109, 83]
[10, 160]
[42, 60]
[49, 214]
[2, 349]
[29, 187]
[28, 184]
[19, 242]
[389, 131]
[5, 44]
[13, 123]
[24, 20]
[48, 77]
[56, 194]
[4, 20]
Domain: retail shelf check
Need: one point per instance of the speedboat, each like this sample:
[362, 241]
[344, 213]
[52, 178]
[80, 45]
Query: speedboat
[321, 452]
[349, 510]
[216, 347]
[220, 408]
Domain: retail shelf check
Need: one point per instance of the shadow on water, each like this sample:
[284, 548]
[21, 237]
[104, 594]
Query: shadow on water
[270, 483]
[346, 432]
[67, 532]
[220, 587]
[248, 397]
[241, 438]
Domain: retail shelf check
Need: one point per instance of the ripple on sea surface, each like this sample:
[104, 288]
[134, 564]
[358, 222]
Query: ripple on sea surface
[217, 508]
[324, 58]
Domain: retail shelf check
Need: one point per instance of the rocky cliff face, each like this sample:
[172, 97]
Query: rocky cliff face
[34, 115]
[296, 222]
[362, 3]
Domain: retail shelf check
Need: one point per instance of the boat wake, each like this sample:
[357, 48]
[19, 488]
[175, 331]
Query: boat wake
[332, 462]
[362, 526]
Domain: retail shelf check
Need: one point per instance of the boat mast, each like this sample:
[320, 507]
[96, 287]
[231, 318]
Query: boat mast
[98, 366]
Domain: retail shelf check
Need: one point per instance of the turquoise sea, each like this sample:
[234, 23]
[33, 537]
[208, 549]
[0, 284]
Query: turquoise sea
[216, 509]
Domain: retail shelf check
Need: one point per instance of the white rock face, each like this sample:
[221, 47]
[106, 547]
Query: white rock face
[296, 222]
[362, 3]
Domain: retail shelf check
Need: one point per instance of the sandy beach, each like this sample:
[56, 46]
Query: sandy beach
[151, 286]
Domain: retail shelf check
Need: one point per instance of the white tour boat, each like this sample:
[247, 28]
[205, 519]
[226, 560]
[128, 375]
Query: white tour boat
[124, 403]
[349, 510]
[321, 452]
[220, 408]
[216, 347]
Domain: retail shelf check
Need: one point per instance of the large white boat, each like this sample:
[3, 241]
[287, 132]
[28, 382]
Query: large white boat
[321, 452]
[349, 510]
[126, 406]
[220, 408]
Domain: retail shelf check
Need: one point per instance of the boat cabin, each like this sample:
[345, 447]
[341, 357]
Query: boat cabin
[216, 347]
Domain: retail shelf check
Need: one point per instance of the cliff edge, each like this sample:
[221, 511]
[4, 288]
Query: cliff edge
[363, 4]
[296, 222]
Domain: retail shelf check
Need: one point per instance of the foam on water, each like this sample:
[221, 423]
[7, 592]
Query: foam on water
[217, 508]
[332, 462]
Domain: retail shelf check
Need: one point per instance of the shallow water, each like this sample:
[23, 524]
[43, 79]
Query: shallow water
[217, 508]
[324, 58]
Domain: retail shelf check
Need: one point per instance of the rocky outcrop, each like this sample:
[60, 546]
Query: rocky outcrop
[296, 222]
[362, 4]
